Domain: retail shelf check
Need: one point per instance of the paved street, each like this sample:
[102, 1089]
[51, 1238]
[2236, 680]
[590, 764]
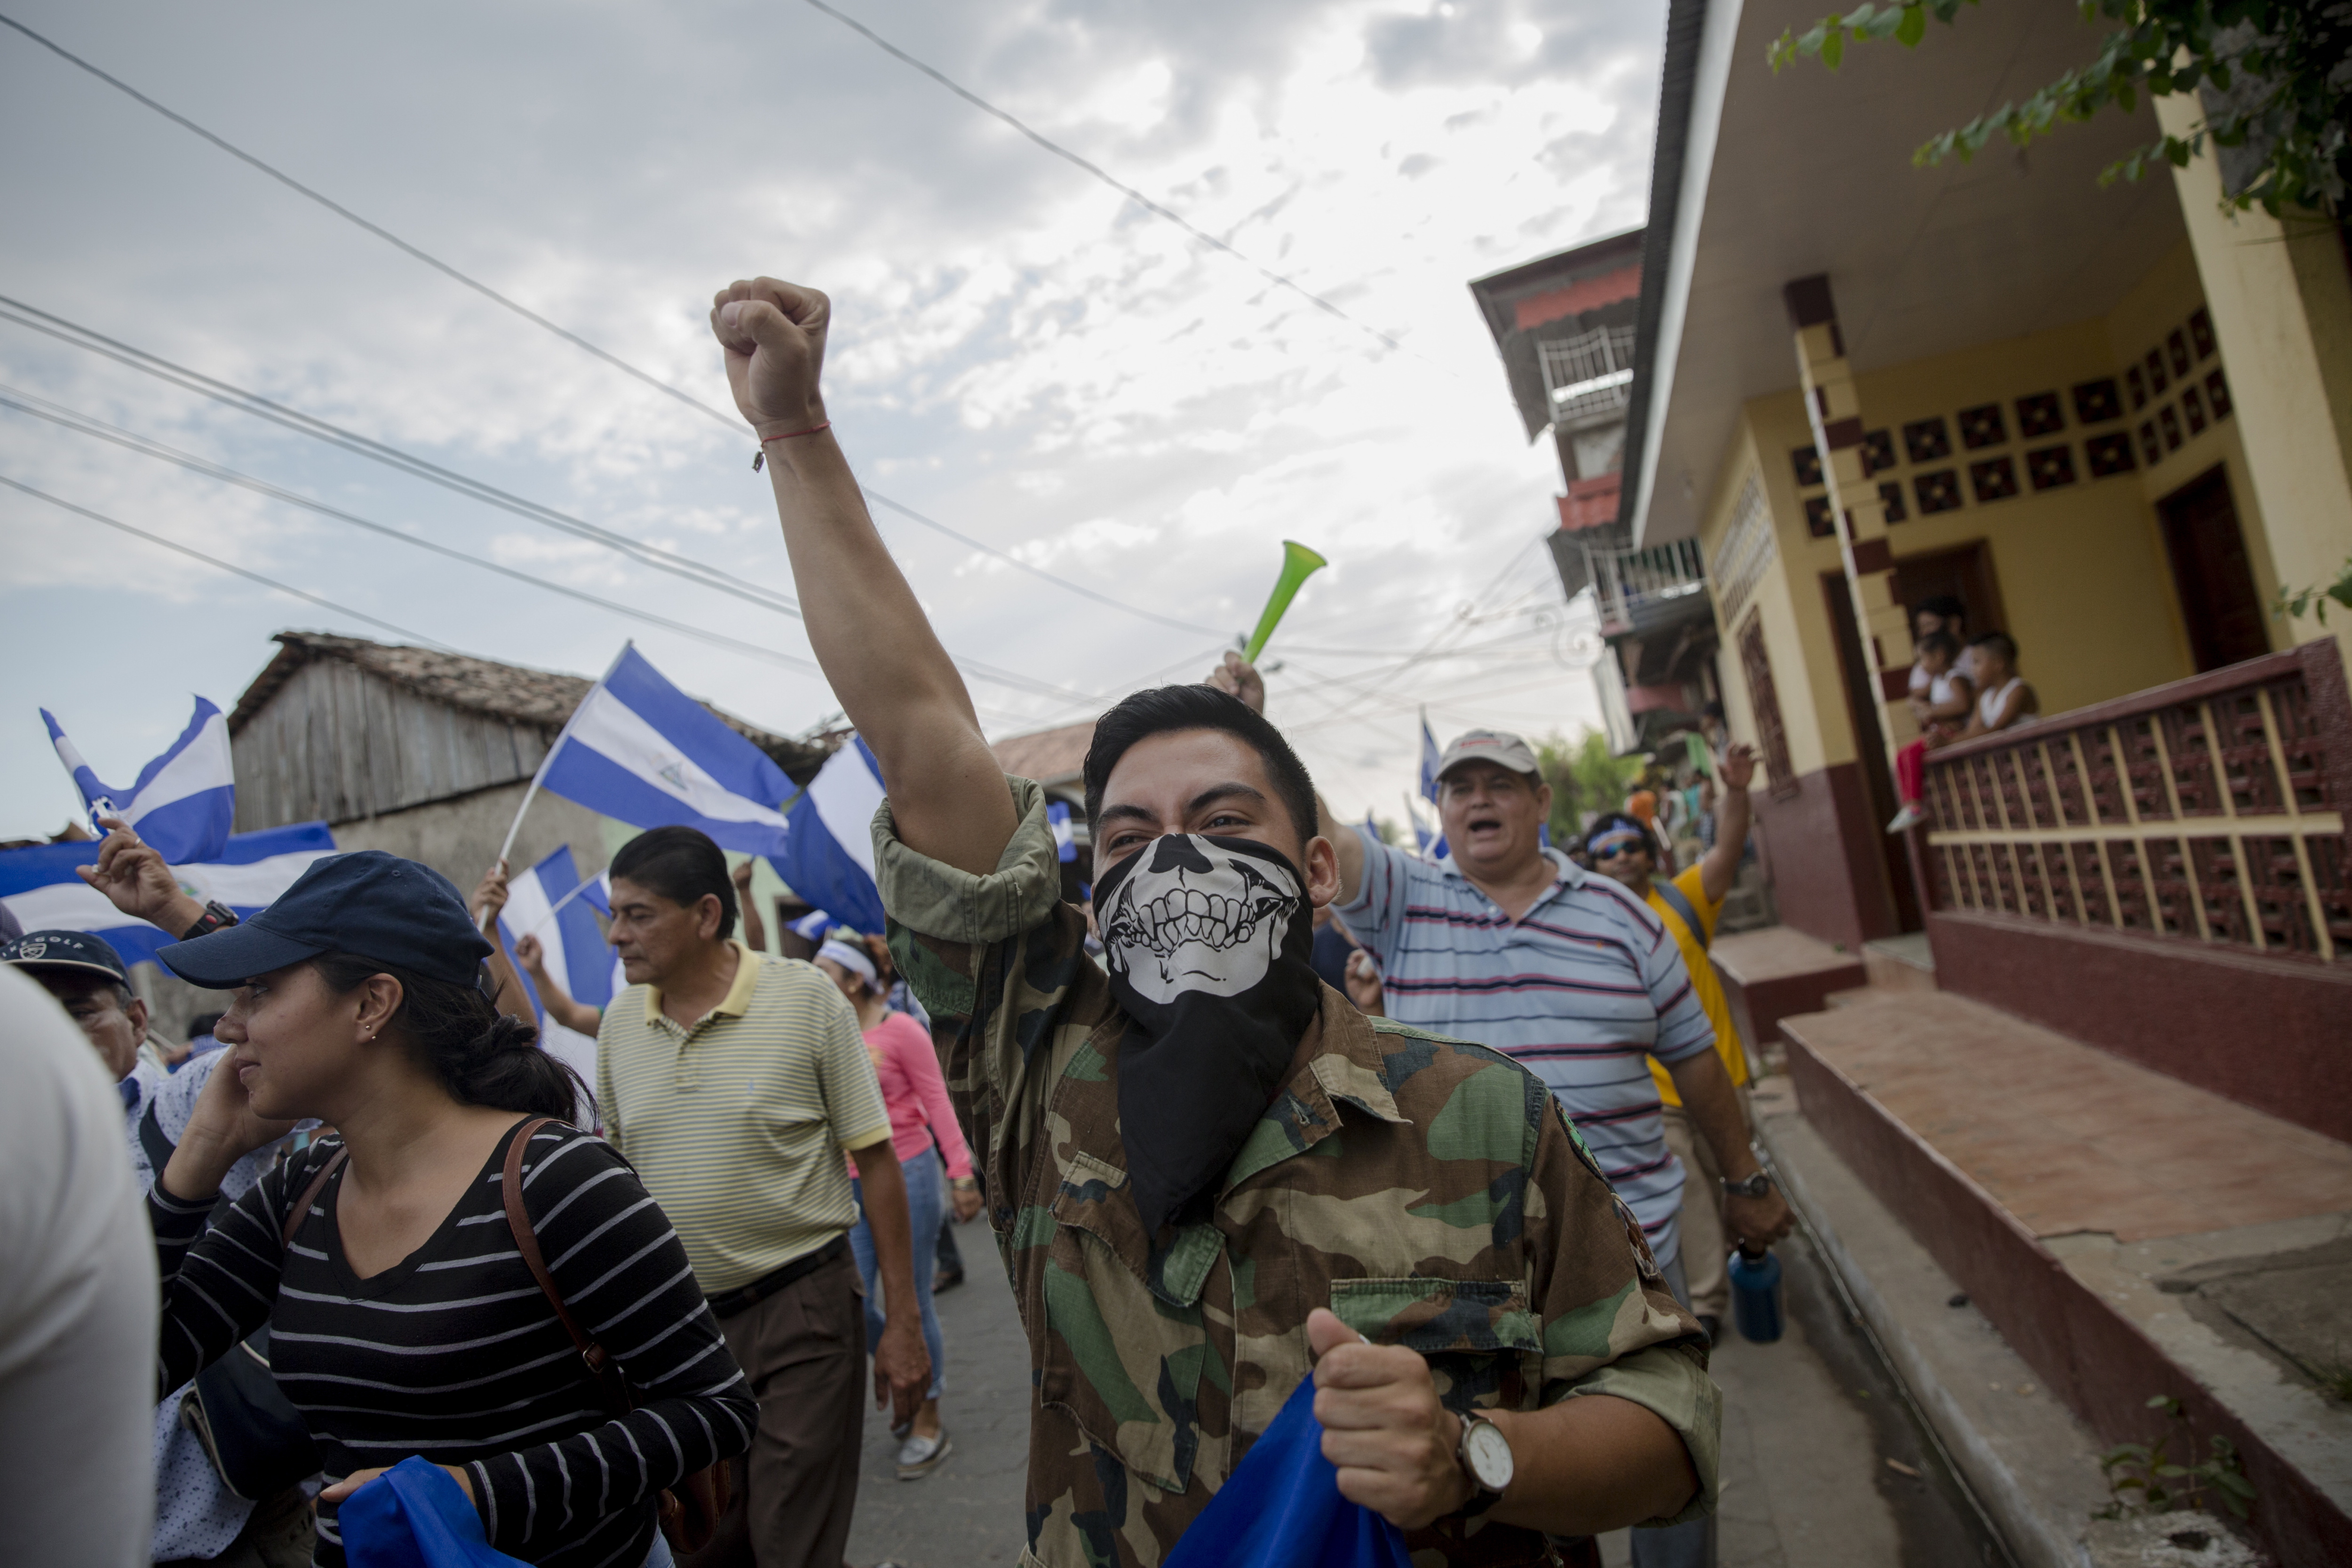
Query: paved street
[1810, 1425]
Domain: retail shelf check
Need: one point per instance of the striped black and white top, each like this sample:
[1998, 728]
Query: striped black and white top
[453, 1354]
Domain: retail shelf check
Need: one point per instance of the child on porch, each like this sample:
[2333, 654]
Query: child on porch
[1940, 702]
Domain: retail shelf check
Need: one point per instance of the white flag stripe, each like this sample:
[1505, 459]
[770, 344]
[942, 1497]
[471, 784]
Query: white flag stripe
[611, 728]
[527, 909]
[202, 764]
[77, 906]
[847, 795]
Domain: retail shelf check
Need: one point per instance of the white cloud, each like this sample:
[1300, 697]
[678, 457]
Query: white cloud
[1019, 351]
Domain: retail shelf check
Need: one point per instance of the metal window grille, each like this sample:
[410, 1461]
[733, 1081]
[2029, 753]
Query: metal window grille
[1748, 550]
[1589, 377]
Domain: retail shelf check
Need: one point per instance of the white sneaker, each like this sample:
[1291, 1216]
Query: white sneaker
[1906, 819]
[918, 1457]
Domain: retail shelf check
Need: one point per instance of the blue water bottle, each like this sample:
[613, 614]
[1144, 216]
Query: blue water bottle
[1755, 1295]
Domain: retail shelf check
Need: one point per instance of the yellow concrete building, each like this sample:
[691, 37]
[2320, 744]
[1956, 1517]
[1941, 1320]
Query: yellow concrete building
[2109, 1019]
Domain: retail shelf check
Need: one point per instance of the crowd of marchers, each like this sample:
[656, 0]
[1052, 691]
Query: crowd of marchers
[1468, 1192]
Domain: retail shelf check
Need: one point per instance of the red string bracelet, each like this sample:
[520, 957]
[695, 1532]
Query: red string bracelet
[760, 458]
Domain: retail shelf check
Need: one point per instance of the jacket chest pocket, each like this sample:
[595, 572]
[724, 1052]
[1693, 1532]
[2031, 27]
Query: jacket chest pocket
[1128, 1350]
[1484, 1346]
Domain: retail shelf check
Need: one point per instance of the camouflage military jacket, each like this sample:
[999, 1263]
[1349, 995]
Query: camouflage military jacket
[1426, 1190]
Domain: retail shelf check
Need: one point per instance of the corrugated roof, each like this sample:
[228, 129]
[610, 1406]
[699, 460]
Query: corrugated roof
[481, 686]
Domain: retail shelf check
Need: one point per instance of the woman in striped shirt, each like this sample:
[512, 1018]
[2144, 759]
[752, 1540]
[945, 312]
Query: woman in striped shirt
[403, 1318]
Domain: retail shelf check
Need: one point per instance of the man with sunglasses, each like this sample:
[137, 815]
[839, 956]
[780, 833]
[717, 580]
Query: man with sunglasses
[1688, 904]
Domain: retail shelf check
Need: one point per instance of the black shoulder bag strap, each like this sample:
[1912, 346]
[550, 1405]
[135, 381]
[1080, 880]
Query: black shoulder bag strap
[1681, 905]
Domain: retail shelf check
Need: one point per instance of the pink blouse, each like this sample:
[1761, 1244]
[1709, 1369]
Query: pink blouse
[908, 1069]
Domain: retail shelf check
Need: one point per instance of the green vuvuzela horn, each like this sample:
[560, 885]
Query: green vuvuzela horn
[1299, 563]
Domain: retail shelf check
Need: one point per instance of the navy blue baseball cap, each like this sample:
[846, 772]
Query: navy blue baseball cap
[367, 903]
[39, 949]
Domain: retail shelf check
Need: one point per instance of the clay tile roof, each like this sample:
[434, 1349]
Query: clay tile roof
[482, 686]
[1048, 756]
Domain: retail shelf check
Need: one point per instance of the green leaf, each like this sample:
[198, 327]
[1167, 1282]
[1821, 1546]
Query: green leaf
[1833, 47]
[1913, 28]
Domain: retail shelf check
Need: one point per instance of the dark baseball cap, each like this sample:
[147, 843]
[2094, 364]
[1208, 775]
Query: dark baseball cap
[367, 903]
[39, 949]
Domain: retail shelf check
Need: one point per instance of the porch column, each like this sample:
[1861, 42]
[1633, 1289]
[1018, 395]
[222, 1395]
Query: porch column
[1834, 409]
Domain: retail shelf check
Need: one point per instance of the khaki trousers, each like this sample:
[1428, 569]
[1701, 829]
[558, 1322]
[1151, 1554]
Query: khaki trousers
[1706, 1249]
[804, 1352]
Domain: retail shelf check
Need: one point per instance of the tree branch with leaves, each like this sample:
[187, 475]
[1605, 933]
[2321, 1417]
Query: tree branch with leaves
[2283, 68]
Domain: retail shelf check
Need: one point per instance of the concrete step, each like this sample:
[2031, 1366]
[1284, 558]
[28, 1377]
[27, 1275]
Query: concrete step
[1771, 973]
[2120, 1228]
[1900, 963]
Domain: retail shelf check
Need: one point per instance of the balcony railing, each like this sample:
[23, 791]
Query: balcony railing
[2210, 809]
[1631, 582]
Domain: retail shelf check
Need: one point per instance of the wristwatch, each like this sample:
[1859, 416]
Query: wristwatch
[217, 916]
[1485, 1455]
[1755, 1186]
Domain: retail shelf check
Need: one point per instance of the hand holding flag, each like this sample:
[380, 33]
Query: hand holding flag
[183, 803]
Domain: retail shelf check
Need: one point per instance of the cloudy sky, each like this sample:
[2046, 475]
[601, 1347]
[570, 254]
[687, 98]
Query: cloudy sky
[1020, 351]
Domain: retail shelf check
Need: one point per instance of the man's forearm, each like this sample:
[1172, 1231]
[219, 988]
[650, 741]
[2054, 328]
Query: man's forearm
[1593, 1463]
[885, 1190]
[1714, 1107]
[894, 679]
[1722, 865]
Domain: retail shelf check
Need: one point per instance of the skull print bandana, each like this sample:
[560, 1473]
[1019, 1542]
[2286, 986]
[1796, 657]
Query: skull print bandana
[1206, 939]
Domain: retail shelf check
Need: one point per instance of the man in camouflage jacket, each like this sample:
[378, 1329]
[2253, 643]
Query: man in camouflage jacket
[1418, 1194]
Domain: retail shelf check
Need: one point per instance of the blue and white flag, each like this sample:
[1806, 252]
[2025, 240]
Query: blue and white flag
[541, 902]
[640, 750]
[1066, 838]
[40, 889]
[1430, 756]
[828, 856]
[813, 926]
[184, 800]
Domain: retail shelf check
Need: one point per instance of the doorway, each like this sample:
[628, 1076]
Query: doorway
[1870, 744]
[1963, 573]
[2212, 572]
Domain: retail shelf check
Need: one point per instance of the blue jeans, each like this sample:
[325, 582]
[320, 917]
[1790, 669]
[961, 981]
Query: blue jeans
[1687, 1545]
[927, 1182]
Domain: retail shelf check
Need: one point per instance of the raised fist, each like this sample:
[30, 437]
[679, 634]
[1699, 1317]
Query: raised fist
[774, 333]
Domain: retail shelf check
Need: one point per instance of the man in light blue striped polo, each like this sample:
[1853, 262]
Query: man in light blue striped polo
[1515, 946]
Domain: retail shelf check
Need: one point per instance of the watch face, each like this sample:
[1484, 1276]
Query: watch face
[1490, 1453]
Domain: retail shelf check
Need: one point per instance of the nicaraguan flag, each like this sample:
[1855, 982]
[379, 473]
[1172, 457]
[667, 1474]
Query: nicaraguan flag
[541, 902]
[40, 889]
[1065, 840]
[1429, 755]
[1281, 1508]
[184, 800]
[640, 750]
[828, 856]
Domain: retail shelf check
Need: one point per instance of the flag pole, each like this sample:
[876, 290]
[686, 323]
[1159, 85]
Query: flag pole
[544, 762]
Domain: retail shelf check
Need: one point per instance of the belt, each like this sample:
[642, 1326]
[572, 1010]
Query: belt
[766, 1285]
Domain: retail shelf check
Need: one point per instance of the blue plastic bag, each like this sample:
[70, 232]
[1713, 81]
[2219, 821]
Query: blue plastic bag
[415, 1516]
[1282, 1507]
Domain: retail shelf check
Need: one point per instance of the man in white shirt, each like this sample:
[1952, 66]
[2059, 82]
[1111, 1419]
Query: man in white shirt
[77, 1302]
[197, 1518]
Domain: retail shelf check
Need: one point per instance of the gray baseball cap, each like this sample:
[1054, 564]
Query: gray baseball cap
[1497, 746]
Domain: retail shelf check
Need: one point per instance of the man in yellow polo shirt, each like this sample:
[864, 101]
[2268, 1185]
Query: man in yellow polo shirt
[733, 1082]
[1621, 846]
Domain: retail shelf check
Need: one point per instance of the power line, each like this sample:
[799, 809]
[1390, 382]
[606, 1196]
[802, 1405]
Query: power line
[1129, 192]
[225, 566]
[246, 402]
[99, 429]
[733, 423]
[381, 232]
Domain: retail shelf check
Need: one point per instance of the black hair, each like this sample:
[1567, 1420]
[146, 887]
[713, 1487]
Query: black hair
[204, 1024]
[481, 1056]
[1942, 642]
[1616, 821]
[2001, 643]
[682, 864]
[1943, 605]
[1712, 711]
[1166, 709]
